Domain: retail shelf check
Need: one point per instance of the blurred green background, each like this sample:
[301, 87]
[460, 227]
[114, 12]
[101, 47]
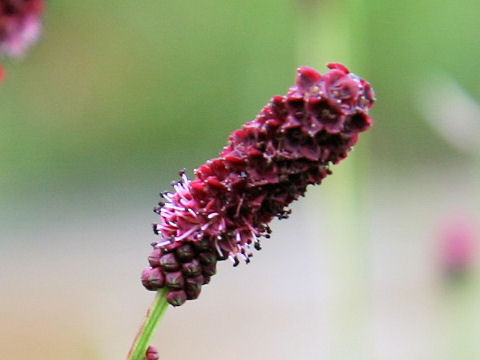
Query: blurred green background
[117, 97]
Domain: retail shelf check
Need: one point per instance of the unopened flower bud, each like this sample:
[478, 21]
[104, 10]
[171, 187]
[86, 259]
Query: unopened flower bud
[202, 245]
[169, 262]
[177, 297]
[153, 278]
[207, 257]
[185, 253]
[154, 257]
[152, 353]
[193, 293]
[193, 287]
[210, 269]
[192, 268]
[194, 281]
[174, 280]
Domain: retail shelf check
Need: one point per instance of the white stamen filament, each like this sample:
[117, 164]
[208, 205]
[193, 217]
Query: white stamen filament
[240, 203]
[186, 234]
[174, 207]
[218, 248]
[194, 214]
[222, 225]
[212, 215]
[163, 243]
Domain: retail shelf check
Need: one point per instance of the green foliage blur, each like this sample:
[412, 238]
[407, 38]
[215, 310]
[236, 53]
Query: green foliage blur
[126, 92]
[119, 93]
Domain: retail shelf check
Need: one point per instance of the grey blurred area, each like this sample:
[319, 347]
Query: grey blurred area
[117, 97]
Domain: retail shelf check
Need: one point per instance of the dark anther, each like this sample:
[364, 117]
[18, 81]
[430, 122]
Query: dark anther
[155, 229]
[257, 246]
[235, 262]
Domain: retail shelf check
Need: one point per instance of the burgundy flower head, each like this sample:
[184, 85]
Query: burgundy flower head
[20, 25]
[266, 165]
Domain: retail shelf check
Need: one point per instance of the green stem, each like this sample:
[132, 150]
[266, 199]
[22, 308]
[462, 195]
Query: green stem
[144, 336]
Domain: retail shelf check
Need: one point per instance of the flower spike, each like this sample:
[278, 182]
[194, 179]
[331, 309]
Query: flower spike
[224, 211]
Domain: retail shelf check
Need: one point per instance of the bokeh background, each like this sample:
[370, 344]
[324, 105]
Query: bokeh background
[377, 263]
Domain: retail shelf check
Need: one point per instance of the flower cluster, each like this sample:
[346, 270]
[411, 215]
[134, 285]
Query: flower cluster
[20, 25]
[183, 269]
[266, 165]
